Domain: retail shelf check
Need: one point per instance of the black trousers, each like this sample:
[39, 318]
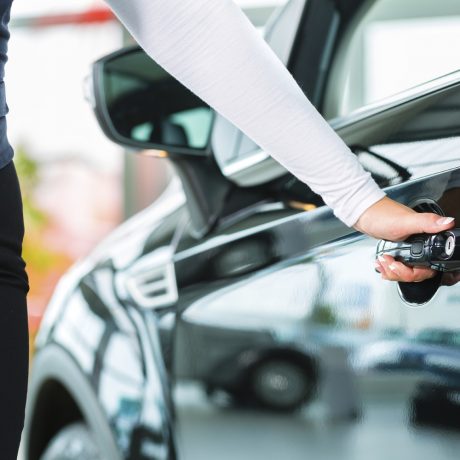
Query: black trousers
[14, 334]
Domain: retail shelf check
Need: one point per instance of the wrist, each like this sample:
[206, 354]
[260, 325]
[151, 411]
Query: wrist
[381, 219]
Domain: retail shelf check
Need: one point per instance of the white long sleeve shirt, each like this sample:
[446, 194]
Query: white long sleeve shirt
[212, 48]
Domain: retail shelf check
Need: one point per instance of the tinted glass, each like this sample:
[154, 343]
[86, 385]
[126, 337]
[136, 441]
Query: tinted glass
[395, 46]
[148, 106]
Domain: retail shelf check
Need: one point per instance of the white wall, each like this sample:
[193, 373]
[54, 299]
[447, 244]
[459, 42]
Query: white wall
[44, 83]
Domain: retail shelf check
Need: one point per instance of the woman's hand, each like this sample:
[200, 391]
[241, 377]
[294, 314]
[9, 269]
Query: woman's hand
[392, 221]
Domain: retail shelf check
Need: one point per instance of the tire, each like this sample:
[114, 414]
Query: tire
[280, 384]
[73, 442]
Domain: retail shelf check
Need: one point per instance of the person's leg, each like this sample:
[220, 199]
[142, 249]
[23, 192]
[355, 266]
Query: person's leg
[14, 335]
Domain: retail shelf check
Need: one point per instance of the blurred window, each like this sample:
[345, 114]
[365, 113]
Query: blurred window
[196, 123]
[395, 45]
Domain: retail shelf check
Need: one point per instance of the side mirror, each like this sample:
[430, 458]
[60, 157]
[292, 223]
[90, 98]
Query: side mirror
[139, 105]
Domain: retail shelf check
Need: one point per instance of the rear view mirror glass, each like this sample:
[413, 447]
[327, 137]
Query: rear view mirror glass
[138, 104]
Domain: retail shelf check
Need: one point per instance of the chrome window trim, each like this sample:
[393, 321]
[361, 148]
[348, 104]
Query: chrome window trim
[259, 167]
[425, 89]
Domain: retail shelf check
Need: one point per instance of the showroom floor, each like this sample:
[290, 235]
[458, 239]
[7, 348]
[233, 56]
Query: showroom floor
[210, 432]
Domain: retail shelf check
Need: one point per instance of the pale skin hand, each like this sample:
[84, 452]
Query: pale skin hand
[390, 220]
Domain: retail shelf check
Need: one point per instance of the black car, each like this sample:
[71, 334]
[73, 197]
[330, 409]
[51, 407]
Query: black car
[221, 322]
[429, 350]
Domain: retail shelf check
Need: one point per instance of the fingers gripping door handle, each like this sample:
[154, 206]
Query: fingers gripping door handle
[432, 250]
[440, 251]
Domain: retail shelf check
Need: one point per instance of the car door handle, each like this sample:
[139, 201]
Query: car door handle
[440, 251]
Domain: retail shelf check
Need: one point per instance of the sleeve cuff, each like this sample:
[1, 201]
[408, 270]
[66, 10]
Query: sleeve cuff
[368, 196]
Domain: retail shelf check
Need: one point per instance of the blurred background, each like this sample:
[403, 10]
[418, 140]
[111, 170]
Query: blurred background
[70, 174]
[77, 185]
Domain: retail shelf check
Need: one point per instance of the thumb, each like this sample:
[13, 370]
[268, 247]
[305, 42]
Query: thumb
[429, 223]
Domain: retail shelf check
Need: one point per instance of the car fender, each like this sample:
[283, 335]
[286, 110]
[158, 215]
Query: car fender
[53, 363]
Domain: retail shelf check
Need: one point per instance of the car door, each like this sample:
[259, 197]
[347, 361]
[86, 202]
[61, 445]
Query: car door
[285, 337]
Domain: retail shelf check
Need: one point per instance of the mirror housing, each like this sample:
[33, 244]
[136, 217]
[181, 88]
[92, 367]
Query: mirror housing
[139, 105]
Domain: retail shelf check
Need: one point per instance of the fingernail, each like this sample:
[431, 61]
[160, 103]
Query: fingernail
[393, 268]
[445, 221]
[381, 259]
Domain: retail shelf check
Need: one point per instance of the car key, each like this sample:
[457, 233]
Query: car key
[439, 251]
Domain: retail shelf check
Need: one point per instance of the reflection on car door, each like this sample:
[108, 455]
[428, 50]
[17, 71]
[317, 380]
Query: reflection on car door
[295, 346]
[270, 364]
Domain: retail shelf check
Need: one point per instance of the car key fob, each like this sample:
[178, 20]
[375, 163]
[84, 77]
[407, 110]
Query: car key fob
[439, 251]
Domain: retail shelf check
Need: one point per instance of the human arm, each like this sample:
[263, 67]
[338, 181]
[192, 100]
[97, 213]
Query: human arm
[212, 48]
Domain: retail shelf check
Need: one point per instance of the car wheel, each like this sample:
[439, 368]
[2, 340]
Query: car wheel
[71, 443]
[281, 384]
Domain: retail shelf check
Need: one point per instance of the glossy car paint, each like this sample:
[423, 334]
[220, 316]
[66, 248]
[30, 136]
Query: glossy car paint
[273, 302]
[312, 298]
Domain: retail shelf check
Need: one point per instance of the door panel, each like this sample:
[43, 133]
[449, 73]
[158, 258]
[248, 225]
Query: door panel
[315, 355]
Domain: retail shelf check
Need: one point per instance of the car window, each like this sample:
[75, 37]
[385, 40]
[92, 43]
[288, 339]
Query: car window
[395, 45]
